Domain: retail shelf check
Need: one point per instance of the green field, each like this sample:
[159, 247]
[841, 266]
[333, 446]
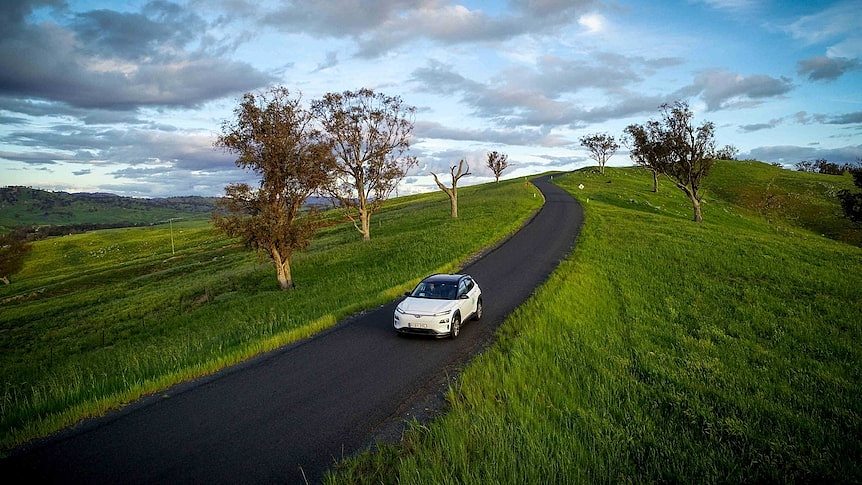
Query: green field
[25, 206]
[783, 196]
[98, 319]
[665, 350]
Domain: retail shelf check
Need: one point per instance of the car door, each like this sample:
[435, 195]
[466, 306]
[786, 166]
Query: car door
[473, 290]
[464, 305]
[473, 294]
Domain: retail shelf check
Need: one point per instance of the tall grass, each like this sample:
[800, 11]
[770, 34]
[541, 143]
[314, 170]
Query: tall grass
[98, 319]
[661, 350]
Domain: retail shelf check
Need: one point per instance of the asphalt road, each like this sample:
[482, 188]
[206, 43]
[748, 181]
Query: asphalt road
[287, 415]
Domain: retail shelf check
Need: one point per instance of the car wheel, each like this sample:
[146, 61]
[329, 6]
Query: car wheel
[478, 315]
[456, 326]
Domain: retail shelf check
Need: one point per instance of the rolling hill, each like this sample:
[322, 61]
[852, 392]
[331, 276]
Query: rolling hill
[25, 206]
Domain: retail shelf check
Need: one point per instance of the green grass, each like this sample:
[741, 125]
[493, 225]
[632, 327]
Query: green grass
[24, 206]
[808, 200]
[98, 319]
[661, 350]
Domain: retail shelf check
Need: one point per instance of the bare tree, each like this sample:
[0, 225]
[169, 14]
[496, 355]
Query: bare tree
[274, 136]
[678, 149]
[463, 170]
[646, 148]
[370, 135]
[601, 146]
[497, 162]
[13, 248]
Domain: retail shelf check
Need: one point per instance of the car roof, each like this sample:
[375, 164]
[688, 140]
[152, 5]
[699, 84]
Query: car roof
[445, 278]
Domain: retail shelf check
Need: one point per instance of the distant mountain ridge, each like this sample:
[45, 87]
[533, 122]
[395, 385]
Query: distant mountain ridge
[26, 206]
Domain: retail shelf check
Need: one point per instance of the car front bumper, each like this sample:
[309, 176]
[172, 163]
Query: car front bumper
[422, 324]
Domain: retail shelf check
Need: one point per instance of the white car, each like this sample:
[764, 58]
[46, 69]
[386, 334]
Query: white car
[438, 306]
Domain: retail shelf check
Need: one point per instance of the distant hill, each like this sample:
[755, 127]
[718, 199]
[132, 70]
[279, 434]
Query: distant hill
[25, 206]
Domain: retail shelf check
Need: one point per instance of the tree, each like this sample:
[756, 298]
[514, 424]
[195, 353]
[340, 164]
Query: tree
[823, 166]
[274, 136]
[728, 152]
[13, 248]
[463, 170]
[646, 148]
[683, 152]
[369, 133]
[852, 202]
[497, 162]
[601, 146]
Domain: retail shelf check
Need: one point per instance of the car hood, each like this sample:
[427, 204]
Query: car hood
[426, 306]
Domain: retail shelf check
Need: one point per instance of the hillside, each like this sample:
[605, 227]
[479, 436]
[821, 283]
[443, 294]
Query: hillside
[98, 319]
[24, 206]
[801, 199]
[663, 350]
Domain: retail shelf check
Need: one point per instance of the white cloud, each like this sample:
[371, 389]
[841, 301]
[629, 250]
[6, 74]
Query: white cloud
[593, 22]
[839, 24]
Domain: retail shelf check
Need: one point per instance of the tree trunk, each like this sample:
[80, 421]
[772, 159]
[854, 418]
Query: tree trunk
[654, 181]
[365, 224]
[453, 201]
[497, 177]
[602, 168]
[695, 204]
[282, 270]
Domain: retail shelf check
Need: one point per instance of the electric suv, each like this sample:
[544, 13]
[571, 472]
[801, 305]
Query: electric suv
[439, 305]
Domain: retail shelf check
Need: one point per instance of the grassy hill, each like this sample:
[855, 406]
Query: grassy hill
[97, 319]
[665, 350]
[24, 206]
[801, 199]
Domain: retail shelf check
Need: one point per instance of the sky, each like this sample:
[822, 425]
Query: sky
[128, 97]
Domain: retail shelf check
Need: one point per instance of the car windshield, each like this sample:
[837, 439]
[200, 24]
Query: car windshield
[436, 290]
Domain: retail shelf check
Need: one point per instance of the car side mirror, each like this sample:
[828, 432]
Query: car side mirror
[465, 296]
[406, 293]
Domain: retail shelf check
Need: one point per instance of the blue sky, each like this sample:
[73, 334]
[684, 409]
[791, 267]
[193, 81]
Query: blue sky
[128, 98]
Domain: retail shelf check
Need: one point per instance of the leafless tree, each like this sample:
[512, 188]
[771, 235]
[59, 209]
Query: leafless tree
[601, 146]
[681, 151]
[463, 169]
[274, 136]
[497, 162]
[370, 136]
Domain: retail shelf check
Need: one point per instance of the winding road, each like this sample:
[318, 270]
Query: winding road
[287, 415]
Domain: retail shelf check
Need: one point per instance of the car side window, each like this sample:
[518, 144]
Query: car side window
[470, 284]
[462, 288]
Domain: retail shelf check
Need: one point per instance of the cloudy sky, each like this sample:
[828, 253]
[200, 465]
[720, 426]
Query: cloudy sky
[95, 96]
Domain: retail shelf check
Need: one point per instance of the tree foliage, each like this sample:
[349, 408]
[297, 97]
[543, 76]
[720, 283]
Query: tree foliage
[601, 146]
[646, 147]
[13, 249]
[274, 137]
[497, 162]
[677, 149]
[369, 133]
[463, 169]
[823, 166]
[727, 152]
[851, 202]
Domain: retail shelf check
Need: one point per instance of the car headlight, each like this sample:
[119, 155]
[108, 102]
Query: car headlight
[440, 314]
[399, 310]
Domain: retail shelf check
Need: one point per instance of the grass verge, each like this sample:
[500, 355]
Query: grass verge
[661, 350]
[99, 319]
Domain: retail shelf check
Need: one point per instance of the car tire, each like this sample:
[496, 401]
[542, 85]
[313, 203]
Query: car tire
[478, 315]
[455, 329]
